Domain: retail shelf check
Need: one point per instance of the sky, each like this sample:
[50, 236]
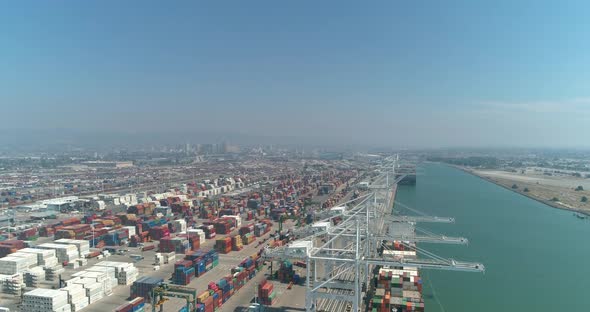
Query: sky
[387, 73]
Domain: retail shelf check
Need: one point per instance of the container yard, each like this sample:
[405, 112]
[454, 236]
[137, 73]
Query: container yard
[209, 247]
[118, 259]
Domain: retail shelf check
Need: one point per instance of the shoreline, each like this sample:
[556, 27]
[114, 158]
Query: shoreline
[546, 202]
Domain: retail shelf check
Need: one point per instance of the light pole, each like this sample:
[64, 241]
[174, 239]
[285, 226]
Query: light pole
[92, 226]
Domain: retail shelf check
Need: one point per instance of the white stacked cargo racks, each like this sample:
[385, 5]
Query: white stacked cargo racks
[94, 290]
[73, 264]
[83, 246]
[72, 281]
[126, 273]
[128, 276]
[102, 278]
[46, 300]
[52, 273]
[31, 258]
[11, 284]
[10, 265]
[76, 296]
[34, 276]
[64, 253]
[111, 274]
[45, 257]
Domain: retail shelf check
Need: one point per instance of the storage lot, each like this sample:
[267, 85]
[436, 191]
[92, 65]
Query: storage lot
[145, 267]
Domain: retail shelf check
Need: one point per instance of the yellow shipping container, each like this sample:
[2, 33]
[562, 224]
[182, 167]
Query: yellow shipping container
[202, 297]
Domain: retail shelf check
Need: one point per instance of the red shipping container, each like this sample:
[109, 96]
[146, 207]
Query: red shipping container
[124, 308]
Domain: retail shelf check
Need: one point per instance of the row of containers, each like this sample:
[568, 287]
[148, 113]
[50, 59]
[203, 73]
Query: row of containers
[397, 288]
[161, 233]
[194, 265]
[135, 305]
[179, 245]
[266, 293]
[219, 292]
[103, 228]
[256, 229]
[247, 235]
[222, 225]
[10, 246]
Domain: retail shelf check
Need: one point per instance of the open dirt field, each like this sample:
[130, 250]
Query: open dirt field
[542, 187]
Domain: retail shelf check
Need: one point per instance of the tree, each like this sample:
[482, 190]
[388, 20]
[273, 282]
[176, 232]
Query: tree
[526, 190]
[579, 188]
[584, 199]
[514, 186]
[554, 199]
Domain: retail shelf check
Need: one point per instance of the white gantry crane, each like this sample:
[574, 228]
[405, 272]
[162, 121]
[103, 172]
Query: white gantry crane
[340, 258]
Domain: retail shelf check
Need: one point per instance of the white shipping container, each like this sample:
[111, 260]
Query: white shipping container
[131, 231]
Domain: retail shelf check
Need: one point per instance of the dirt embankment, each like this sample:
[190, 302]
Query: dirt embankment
[556, 192]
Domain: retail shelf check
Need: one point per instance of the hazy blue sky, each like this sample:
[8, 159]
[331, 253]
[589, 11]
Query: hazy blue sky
[402, 73]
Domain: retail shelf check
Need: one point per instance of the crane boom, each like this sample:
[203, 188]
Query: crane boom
[417, 219]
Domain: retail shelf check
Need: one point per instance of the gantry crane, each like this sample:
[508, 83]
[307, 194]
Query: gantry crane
[164, 291]
[340, 258]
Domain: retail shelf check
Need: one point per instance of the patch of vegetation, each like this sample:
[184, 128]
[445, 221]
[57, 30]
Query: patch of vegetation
[579, 188]
[473, 161]
[584, 199]
[514, 186]
[555, 199]
[526, 190]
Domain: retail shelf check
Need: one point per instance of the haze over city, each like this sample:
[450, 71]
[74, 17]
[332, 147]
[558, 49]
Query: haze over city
[459, 73]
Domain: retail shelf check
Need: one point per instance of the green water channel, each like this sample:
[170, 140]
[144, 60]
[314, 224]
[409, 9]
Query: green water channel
[537, 258]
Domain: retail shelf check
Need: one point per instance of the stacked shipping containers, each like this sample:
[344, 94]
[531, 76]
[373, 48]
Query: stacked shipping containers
[143, 286]
[223, 245]
[178, 245]
[10, 246]
[237, 243]
[286, 272]
[159, 232]
[184, 272]
[196, 263]
[266, 293]
[135, 305]
[209, 230]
